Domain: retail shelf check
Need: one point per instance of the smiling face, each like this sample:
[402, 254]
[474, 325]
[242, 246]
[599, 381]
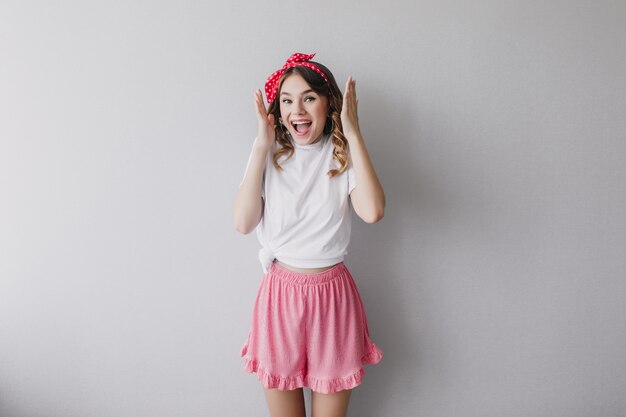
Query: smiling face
[302, 110]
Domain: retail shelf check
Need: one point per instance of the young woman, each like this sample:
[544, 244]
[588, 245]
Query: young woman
[308, 164]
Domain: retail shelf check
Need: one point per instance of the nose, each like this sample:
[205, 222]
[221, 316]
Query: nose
[298, 107]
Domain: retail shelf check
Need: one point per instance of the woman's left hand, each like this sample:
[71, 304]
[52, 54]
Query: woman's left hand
[349, 115]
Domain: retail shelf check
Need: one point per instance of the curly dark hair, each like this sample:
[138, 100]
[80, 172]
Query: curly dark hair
[335, 101]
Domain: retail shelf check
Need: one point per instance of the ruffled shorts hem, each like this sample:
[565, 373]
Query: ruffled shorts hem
[300, 380]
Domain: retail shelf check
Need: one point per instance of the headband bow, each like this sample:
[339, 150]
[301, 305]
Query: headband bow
[271, 85]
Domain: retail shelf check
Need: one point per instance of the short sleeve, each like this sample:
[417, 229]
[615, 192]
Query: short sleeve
[351, 178]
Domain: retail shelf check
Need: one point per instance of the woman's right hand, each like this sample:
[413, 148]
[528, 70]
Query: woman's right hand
[265, 131]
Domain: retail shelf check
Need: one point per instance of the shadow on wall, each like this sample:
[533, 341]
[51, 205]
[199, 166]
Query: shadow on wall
[381, 254]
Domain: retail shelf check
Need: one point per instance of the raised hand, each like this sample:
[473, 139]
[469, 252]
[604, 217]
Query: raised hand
[349, 114]
[265, 130]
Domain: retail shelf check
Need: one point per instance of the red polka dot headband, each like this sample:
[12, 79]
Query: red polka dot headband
[271, 85]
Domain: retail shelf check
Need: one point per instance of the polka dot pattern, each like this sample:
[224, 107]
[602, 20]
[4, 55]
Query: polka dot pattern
[271, 85]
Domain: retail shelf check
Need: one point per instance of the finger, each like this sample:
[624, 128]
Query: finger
[352, 87]
[256, 103]
[259, 95]
[349, 96]
[261, 111]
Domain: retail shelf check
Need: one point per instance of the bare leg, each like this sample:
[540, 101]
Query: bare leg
[285, 403]
[330, 405]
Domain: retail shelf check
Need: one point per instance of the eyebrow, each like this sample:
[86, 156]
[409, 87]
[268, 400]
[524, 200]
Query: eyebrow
[304, 92]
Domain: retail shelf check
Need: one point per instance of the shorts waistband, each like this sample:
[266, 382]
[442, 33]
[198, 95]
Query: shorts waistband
[302, 278]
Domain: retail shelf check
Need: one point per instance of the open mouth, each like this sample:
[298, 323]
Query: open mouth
[301, 127]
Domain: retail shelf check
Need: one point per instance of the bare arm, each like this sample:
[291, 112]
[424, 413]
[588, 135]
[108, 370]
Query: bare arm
[368, 197]
[248, 204]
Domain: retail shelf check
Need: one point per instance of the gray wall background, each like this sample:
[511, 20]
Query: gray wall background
[494, 285]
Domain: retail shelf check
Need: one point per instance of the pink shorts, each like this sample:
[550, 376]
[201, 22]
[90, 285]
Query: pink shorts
[309, 330]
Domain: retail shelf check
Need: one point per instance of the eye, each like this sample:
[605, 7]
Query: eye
[286, 101]
[309, 98]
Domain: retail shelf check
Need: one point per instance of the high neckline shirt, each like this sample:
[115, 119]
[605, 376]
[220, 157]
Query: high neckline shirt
[306, 219]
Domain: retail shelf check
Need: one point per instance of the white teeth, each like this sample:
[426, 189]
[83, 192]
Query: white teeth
[299, 123]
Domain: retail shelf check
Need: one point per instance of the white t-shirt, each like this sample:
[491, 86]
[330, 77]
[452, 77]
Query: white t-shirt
[306, 217]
